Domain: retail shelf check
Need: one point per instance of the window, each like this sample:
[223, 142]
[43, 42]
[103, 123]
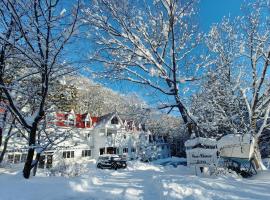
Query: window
[18, 135]
[23, 158]
[125, 150]
[165, 138]
[87, 123]
[101, 151]
[150, 139]
[86, 153]
[71, 120]
[50, 160]
[41, 163]
[133, 150]
[68, 154]
[109, 133]
[103, 158]
[125, 136]
[102, 131]
[10, 158]
[17, 158]
[114, 120]
[115, 158]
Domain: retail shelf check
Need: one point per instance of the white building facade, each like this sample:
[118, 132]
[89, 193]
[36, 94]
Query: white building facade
[90, 137]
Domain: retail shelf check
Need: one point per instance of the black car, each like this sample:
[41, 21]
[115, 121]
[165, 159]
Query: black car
[111, 161]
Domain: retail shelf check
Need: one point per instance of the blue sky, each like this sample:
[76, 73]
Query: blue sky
[210, 11]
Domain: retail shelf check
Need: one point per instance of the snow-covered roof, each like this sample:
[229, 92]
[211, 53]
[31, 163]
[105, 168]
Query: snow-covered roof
[103, 120]
[200, 140]
[234, 139]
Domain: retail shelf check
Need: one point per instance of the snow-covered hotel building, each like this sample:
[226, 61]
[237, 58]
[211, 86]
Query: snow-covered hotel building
[91, 137]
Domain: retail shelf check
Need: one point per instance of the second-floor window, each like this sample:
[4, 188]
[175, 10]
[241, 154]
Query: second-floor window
[111, 132]
[87, 123]
[125, 150]
[68, 154]
[114, 120]
[71, 120]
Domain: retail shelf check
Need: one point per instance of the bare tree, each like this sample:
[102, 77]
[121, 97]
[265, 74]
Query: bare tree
[37, 32]
[7, 123]
[154, 44]
[250, 58]
[255, 51]
[247, 58]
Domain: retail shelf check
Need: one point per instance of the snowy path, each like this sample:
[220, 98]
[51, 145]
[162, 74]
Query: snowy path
[139, 181]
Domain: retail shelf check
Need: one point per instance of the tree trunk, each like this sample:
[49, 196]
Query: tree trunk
[2, 128]
[6, 141]
[257, 155]
[28, 164]
[36, 164]
[184, 114]
[1, 136]
[4, 149]
[30, 155]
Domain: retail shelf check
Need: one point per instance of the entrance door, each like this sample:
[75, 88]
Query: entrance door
[101, 151]
[111, 150]
[17, 158]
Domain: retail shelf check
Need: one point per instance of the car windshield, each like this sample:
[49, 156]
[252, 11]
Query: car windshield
[116, 158]
[103, 158]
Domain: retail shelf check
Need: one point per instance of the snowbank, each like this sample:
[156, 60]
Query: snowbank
[139, 181]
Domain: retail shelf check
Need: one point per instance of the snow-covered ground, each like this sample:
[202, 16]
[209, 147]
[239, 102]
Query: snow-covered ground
[139, 181]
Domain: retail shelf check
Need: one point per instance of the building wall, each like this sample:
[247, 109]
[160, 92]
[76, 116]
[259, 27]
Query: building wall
[129, 142]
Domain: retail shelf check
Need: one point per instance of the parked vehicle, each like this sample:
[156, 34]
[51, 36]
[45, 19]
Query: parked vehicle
[111, 161]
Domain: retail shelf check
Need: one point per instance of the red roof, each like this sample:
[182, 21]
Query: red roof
[94, 120]
[80, 120]
[60, 119]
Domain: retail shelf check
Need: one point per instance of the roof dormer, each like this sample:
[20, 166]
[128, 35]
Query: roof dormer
[71, 118]
[115, 120]
[87, 121]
